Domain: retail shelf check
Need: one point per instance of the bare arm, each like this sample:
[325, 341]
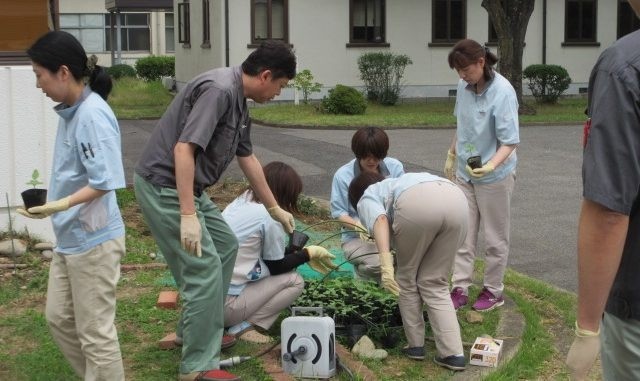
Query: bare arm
[601, 237]
[185, 173]
[502, 154]
[452, 147]
[85, 194]
[252, 168]
[381, 233]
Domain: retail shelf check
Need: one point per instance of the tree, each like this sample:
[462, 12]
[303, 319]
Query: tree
[510, 19]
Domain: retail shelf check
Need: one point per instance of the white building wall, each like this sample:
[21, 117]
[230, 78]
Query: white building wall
[28, 126]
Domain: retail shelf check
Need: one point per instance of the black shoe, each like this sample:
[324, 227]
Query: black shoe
[415, 353]
[452, 362]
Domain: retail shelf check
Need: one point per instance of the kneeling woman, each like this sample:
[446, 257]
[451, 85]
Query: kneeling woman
[263, 283]
[425, 218]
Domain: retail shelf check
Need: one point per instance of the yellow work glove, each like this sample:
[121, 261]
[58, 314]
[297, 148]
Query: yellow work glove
[284, 217]
[362, 231]
[190, 234]
[386, 273]
[450, 166]
[482, 171]
[47, 209]
[320, 259]
[583, 353]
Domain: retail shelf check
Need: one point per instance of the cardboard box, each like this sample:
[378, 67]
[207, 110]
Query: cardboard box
[485, 352]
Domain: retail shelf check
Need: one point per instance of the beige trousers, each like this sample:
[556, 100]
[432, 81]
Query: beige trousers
[261, 302]
[489, 205]
[429, 225]
[363, 255]
[81, 309]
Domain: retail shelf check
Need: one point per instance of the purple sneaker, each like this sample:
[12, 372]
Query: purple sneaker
[487, 301]
[458, 298]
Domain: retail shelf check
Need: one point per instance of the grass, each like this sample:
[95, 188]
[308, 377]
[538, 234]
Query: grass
[28, 353]
[133, 98]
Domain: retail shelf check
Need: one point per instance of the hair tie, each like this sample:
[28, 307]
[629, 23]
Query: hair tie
[91, 63]
[486, 50]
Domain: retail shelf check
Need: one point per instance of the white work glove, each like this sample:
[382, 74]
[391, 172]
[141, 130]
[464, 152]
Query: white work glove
[482, 171]
[450, 166]
[320, 259]
[362, 232]
[190, 234]
[583, 353]
[386, 273]
[47, 209]
[284, 217]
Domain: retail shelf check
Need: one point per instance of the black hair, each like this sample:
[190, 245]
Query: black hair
[466, 52]
[360, 184]
[370, 141]
[57, 48]
[271, 55]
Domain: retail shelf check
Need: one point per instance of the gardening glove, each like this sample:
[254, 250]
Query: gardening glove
[362, 231]
[583, 353]
[190, 234]
[320, 259]
[450, 166]
[386, 273]
[284, 217]
[482, 171]
[47, 209]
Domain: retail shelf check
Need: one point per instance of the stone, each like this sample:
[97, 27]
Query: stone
[8, 249]
[47, 254]
[474, 317]
[44, 246]
[365, 348]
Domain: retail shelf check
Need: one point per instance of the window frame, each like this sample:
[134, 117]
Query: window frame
[206, 25]
[383, 26]
[581, 40]
[126, 27]
[448, 41]
[285, 23]
[184, 24]
[103, 28]
[171, 26]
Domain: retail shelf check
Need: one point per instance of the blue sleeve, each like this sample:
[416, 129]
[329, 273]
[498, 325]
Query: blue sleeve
[506, 118]
[396, 169]
[370, 208]
[340, 194]
[99, 146]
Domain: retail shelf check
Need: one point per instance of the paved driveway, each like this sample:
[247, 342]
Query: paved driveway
[546, 200]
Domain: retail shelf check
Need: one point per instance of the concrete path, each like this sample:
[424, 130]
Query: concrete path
[545, 204]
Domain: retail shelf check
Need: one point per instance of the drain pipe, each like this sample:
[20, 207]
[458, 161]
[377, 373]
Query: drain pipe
[226, 32]
[544, 32]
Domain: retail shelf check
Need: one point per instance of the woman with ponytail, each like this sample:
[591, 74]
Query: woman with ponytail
[87, 168]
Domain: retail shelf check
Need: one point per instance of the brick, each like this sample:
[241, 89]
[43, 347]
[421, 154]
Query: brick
[356, 366]
[168, 342]
[168, 300]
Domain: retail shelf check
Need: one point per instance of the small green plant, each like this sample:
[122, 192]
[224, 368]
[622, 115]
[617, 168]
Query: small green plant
[469, 148]
[547, 82]
[152, 68]
[121, 70]
[35, 179]
[309, 207]
[344, 100]
[382, 74]
[304, 82]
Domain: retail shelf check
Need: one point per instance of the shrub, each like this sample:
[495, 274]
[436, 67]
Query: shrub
[381, 74]
[304, 82]
[152, 68]
[344, 100]
[121, 70]
[547, 82]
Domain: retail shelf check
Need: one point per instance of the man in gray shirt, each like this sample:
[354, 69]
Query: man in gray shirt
[204, 128]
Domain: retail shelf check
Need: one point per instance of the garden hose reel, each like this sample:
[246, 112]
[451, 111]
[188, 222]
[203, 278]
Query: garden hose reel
[308, 344]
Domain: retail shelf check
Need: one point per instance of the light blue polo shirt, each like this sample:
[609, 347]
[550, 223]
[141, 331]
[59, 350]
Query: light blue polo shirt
[340, 205]
[380, 198]
[485, 122]
[87, 152]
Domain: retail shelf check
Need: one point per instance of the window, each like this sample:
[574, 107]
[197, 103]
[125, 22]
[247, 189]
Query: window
[89, 29]
[269, 20]
[580, 21]
[184, 35]
[449, 21]
[206, 25]
[169, 33]
[627, 20]
[367, 21]
[135, 34]
[493, 36]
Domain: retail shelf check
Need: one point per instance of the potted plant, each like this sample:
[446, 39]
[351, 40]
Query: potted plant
[34, 196]
[473, 160]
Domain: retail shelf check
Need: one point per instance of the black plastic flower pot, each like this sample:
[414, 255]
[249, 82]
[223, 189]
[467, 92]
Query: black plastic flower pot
[34, 197]
[297, 240]
[474, 162]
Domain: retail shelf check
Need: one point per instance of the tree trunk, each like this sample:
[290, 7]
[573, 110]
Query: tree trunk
[510, 19]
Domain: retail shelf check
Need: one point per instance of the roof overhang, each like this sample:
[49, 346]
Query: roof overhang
[138, 5]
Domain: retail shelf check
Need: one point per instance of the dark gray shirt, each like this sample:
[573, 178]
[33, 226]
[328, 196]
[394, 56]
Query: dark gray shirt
[211, 112]
[611, 163]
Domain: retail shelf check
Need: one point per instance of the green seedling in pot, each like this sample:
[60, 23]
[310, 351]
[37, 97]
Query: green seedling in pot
[35, 179]
[473, 160]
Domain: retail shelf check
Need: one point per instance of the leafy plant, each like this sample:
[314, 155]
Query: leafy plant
[304, 82]
[35, 179]
[547, 82]
[381, 74]
[121, 70]
[469, 148]
[344, 100]
[152, 68]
